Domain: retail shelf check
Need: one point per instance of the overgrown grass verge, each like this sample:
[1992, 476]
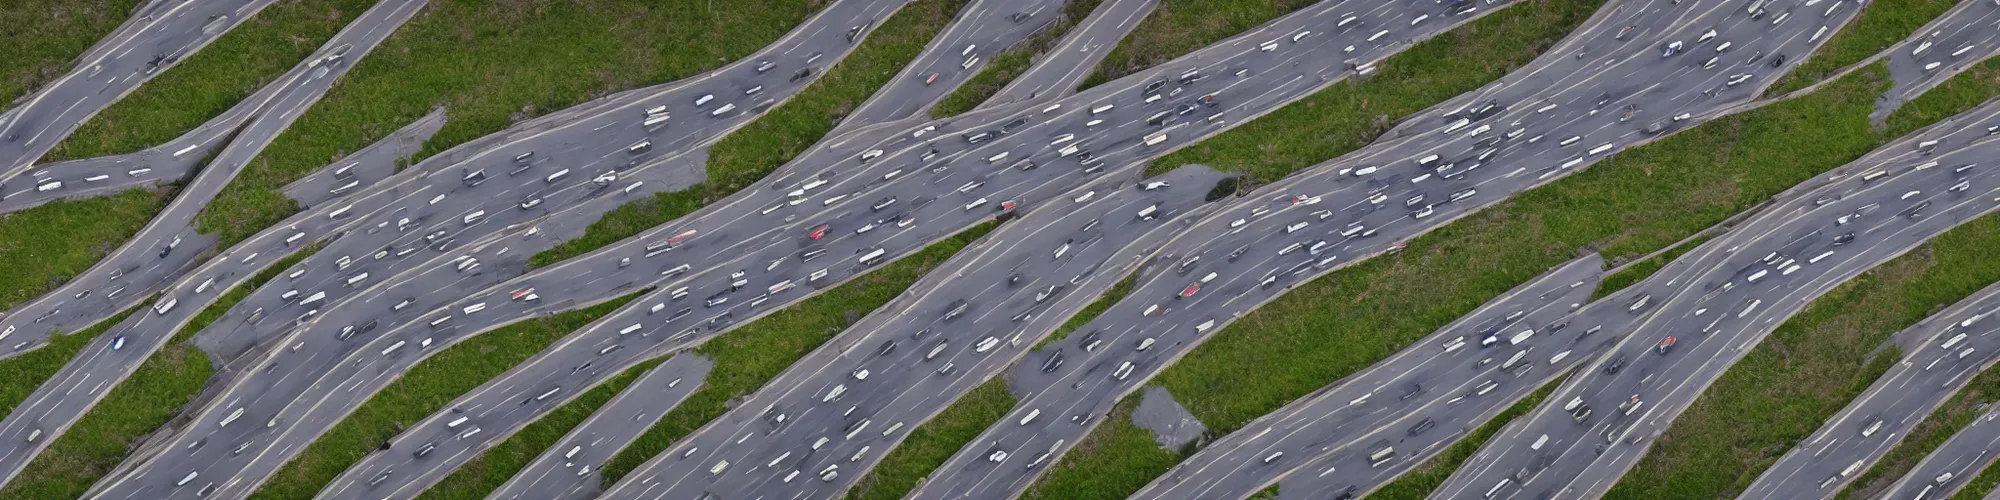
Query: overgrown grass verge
[1178, 27]
[1139, 460]
[153, 395]
[211, 81]
[931, 444]
[624, 222]
[1010, 64]
[752, 354]
[755, 150]
[1643, 269]
[422, 390]
[496, 465]
[1350, 114]
[45, 37]
[1882, 23]
[44, 247]
[1956, 414]
[1980, 486]
[1417, 483]
[492, 64]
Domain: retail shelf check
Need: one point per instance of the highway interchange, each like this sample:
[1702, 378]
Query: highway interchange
[362, 318]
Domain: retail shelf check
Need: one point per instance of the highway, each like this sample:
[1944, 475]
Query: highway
[1952, 43]
[913, 357]
[1818, 235]
[605, 433]
[1056, 73]
[1953, 464]
[1588, 97]
[492, 247]
[1942, 354]
[432, 449]
[165, 249]
[572, 284]
[160, 34]
[1397, 395]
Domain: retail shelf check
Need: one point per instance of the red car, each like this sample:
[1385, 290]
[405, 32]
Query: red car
[821, 231]
[1665, 345]
[1189, 291]
[933, 78]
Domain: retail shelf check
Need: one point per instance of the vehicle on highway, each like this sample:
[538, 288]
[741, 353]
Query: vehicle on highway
[1665, 345]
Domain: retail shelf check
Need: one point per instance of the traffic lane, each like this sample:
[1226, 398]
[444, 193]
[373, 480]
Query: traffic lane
[1953, 42]
[1580, 158]
[598, 146]
[602, 436]
[1598, 390]
[1953, 464]
[1320, 416]
[1895, 403]
[1060, 69]
[130, 56]
[830, 12]
[1014, 288]
[360, 171]
[982, 29]
[419, 458]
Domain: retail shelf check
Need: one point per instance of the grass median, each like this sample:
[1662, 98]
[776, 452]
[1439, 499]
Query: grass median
[45, 37]
[1178, 27]
[421, 391]
[931, 444]
[1881, 23]
[1350, 114]
[494, 466]
[1010, 64]
[750, 355]
[153, 395]
[1819, 360]
[1956, 414]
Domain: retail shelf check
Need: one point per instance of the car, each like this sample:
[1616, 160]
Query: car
[1191, 289]
[957, 308]
[997, 456]
[1045, 294]
[1869, 428]
[1616, 364]
[1671, 48]
[1054, 361]
[819, 232]
[883, 203]
[1422, 426]
[1581, 414]
[1665, 346]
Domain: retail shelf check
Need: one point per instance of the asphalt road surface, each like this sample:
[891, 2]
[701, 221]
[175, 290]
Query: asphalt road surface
[360, 171]
[1817, 236]
[160, 34]
[1057, 72]
[1953, 464]
[596, 277]
[917, 354]
[162, 251]
[1301, 435]
[431, 449]
[1943, 354]
[1954, 42]
[601, 133]
[608, 431]
[1588, 97]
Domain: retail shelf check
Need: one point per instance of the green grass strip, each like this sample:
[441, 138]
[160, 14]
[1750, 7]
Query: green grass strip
[44, 38]
[1956, 414]
[1882, 23]
[1139, 458]
[1980, 486]
[1010, 64]
[153, 395]
[495, 466]
[934, 442]
[750, 355]
[422, 390]
[1350, 114]
[1643, 269]
[1089, 312]
[1178, 27]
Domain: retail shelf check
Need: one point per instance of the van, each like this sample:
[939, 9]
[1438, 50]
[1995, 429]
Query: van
[552, 178]
[703, 100]
[49, 187]
[725, 109]
[640, 147]
[1518, 338]
[1149, 213]
[439, 321]
[1381, 456]
[474, 216]
[1100, 109]
[655, 121]
[317, 296]
[165, 306]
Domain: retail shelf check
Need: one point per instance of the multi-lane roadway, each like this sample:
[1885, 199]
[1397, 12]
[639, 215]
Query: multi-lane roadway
[1817, 236]
[1952, 43]
[1634, 71]
[1954, 463]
